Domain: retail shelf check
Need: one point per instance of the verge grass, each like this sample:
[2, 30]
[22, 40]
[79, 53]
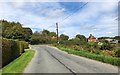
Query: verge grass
[17, 66]
[105, 59]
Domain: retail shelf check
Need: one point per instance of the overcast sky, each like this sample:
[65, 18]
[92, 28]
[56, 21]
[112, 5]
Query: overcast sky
[98, 18]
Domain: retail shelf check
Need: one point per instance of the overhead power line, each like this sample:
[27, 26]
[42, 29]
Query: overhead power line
[74, 12]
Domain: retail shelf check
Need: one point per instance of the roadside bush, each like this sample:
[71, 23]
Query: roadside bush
[6, 51]
[34, 40]
[26, 45]
[75, 47]
[91, 47]
[106, 46]
[12, 49]
[97, 51]
[117, 52]
[108, 53]
[102, 58]
[21, 47]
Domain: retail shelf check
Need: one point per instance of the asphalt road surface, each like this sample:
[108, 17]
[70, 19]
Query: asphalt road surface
[49, 59]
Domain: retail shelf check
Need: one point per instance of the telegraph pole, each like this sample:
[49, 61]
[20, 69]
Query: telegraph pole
[57, 33]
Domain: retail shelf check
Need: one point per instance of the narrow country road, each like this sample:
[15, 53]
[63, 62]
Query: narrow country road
[49, 59]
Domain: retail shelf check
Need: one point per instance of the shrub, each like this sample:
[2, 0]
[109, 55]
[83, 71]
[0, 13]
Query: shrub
[6, 51]
[102, 58]
[108, 53]
[97, 51]
[106, 46]
[11, 49]
[75, 47]
[117, 52]
[14, 49]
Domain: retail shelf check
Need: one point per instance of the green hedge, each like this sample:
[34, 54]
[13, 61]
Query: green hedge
[105, 59]
[12, 49]
[17, 66]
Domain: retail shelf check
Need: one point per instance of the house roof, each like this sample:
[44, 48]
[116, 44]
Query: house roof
[91, 37]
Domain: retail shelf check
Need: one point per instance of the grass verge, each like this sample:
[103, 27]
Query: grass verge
[105, 59]
[18, 65]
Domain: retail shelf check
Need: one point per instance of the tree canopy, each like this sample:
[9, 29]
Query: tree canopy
[81, 37]
[14, 30]
[64, 37]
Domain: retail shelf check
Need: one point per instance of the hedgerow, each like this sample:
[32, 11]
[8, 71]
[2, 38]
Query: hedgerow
[102, 58]
[11, 49]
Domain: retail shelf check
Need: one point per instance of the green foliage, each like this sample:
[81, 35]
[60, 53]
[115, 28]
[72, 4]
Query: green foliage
[117, 37]
[18, 65]
[105, 59]
[117, 52]
[82, 38]
[91, 47]
[27, 34]
[104, 38]
[11, 49]
[75, 41]
[64, 37]
[6, 52]
[12, 30]
[44, 37]
[106, 46]
[45, 33]
[93, 44]
[65, 42]
[37, 38]
[78, 40]
[52, 34]
[34, 39]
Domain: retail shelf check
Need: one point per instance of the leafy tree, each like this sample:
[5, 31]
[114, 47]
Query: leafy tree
[52, 34]
[43, 38]
[14, 30]
[45, 32]
[117, 38]
[64, 37]
[27, 33]
[104, 38]
[93, 44]
[81, 37]
[117, 52]
[34, 39]
[75, 41]
[106, 46]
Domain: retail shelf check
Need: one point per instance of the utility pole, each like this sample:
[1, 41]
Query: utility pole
[57, 33]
